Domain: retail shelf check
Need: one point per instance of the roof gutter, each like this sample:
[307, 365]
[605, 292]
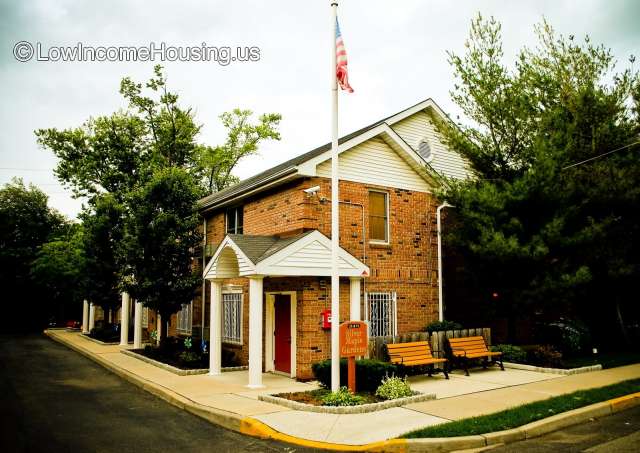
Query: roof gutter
[257, 186]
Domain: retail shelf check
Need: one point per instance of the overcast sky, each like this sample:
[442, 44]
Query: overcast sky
[397, 57]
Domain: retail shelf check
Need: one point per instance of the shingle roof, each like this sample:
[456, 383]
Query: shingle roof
[287, 167]
[259, 248]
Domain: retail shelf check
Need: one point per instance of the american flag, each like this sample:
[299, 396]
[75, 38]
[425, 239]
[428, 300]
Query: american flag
[341, 62]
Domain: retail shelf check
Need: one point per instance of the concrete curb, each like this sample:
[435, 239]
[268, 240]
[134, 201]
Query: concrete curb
[164, 366]
[255, 428]
[360, 409]
[564, 372]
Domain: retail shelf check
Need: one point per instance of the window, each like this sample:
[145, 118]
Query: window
[378, 216]
[381, 312]
[145, 317]
[232, 317]
[424, 149]
[235, 219]
[184, 319]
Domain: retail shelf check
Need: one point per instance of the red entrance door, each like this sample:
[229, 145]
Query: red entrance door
[282, 334]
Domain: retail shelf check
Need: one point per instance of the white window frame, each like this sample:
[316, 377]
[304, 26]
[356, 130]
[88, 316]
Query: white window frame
[387, 201]
[236, 292]
[391, 298]
[235, 213]
[184, 319]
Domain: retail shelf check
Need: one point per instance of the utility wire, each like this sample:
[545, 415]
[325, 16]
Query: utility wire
[601, 155]
[26, 169]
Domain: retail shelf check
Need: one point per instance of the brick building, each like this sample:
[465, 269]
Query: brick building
[267, 249]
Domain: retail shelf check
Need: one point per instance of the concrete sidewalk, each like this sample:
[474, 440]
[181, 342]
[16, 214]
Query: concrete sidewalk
[225, 400]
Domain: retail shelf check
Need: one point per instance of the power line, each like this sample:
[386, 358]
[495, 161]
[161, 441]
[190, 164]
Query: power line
[601, 155]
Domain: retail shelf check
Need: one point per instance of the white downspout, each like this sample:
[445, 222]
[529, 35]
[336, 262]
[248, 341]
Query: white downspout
[440, 279]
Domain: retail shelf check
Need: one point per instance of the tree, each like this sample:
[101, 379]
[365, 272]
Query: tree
[243, 138]
[540, 234]
[26, 222]
[161, 238]
[103, 230]
[59, 269]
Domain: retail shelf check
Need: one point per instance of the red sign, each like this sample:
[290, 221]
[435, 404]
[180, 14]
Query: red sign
[354, 338]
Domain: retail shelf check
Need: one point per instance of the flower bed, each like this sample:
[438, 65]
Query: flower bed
[311, 401]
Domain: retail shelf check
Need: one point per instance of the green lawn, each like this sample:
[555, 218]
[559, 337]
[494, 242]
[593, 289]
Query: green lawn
[518, 416]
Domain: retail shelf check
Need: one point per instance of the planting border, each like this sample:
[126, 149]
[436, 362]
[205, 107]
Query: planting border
[176, 370]
[539, 369]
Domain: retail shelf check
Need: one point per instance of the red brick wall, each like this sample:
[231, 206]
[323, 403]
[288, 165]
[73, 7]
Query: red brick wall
[408, 265]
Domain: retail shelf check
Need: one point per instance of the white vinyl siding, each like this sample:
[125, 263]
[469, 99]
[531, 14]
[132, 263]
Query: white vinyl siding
[416, 128]
[184, 319]
[232, 317]
[374, 162]
[312, 255]
[381, 313]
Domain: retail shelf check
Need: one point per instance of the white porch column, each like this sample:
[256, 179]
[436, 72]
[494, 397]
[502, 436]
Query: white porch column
[255, 331]
[124, 320]
[92, 316]
[137, 326]
[158, 327]
[215, 328]
[85, 316]
[354, 299]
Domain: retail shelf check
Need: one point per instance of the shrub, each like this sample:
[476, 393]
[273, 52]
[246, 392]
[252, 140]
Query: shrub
[438, 326]
[570, 336]
[369, 373]
[546, 356]
[393, 387]
[511, 353]
[342, 397]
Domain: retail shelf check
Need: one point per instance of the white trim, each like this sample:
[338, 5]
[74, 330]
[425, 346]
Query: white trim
[269, 266]
[228, 242]
[269, 347]
[388, 229]
[189, 308]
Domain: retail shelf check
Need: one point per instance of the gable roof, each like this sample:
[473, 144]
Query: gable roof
[289, 170]
[308, 254]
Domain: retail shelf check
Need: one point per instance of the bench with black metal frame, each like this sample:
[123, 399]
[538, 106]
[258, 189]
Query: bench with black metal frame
[464, 349]
[417, 353]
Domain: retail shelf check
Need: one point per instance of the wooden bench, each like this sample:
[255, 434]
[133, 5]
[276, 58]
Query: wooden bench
[415, 354]
[469, 348]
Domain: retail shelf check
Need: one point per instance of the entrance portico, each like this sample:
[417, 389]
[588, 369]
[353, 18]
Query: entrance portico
[264, 257]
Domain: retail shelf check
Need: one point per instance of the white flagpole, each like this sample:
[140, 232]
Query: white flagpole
[335, 223]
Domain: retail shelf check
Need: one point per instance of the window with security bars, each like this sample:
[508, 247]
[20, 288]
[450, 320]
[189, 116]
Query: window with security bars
[232, 317]
[184, 319]
[381, 313]
[145, 317]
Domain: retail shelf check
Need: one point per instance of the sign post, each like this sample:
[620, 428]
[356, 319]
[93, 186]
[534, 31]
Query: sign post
[354, 341]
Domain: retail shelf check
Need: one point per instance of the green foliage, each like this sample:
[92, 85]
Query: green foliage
[161, 235]
[518, 416]
[541, 234]
[393, 387]
[511, 353]
[243, 138]
[103, 229]
[437, 326]
[369, 373]
[343, 397]
[60, 269]
[26, 224]
[570, 336]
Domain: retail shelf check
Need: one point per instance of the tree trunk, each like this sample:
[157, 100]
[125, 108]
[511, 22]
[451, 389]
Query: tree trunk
[620, 319]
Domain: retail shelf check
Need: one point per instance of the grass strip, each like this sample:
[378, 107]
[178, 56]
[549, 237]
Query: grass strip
[521, 415]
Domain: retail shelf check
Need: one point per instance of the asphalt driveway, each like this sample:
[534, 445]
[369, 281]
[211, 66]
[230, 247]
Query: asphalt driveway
[55, 400]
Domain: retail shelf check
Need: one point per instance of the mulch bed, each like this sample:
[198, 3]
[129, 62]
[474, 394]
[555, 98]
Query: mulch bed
[314, 397]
